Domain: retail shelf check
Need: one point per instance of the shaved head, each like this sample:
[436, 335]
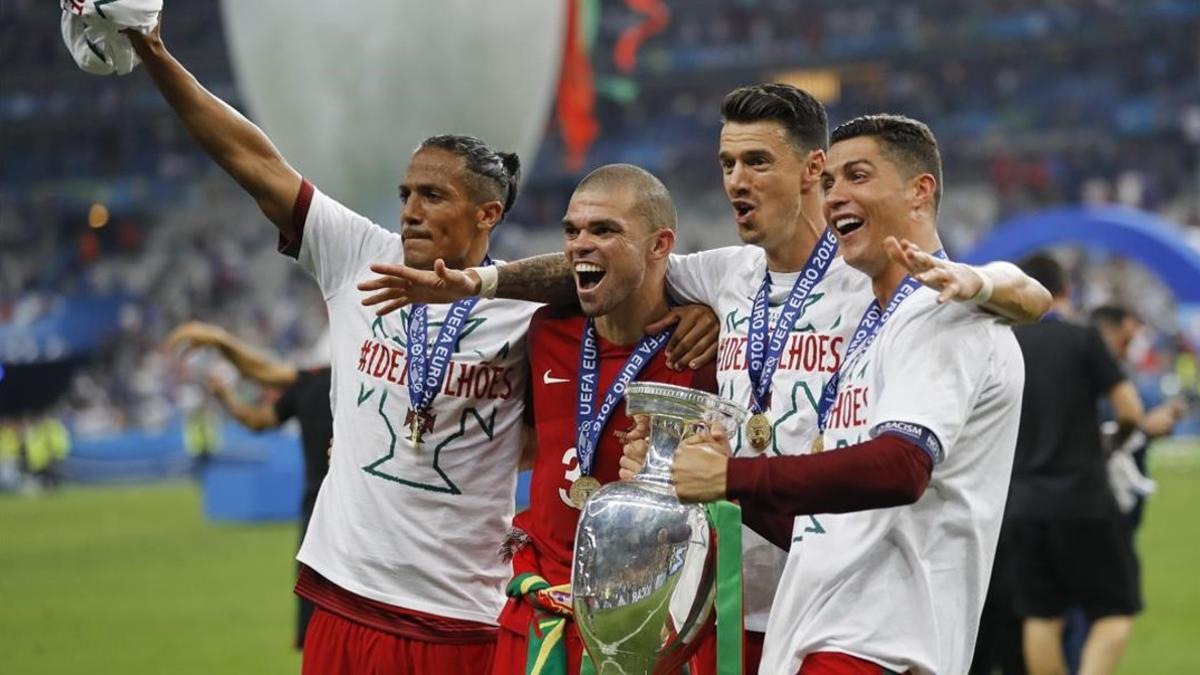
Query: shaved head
[652, 202]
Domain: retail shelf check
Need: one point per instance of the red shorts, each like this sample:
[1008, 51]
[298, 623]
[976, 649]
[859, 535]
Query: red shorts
[835, 663]
[337, 646]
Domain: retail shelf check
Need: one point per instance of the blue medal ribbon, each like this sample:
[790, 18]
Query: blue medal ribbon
[869, 325]
[763, 356]
[427, 366]
[590, 415]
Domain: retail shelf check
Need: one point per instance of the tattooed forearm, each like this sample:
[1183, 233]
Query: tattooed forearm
[543, 278]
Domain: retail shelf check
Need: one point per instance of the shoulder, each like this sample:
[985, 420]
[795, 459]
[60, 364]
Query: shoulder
[723, 256]
[922, 318]
[317, 205]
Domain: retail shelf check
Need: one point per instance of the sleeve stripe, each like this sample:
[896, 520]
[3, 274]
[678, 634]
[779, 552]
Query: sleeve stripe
[916, 434]
[290, 246]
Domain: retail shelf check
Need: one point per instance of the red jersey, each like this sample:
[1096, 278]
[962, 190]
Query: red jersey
[554, 338]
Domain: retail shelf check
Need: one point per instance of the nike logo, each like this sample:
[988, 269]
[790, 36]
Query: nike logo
[547, 379]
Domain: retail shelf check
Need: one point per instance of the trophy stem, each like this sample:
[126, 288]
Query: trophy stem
[665, 433]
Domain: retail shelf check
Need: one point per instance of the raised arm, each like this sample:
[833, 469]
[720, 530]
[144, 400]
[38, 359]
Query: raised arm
[253, 417]
[1000, 287]
[249, 361]
[241, 148]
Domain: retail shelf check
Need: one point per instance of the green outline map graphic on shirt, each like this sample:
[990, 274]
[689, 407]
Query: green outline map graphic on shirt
[470, 417]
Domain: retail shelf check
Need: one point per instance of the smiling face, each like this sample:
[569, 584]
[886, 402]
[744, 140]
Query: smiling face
[764, 175]
[609, 247]
[868, 198]
[441, 218]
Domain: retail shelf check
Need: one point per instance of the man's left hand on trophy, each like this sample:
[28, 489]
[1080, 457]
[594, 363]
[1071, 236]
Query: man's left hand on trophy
[699, 470]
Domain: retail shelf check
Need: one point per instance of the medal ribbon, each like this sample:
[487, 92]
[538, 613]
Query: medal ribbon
[869, 325]
[427, 366]
[590, 417]
[763, 356]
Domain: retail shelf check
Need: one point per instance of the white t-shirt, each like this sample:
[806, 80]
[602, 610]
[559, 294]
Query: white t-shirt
[903, 587]
[727, 279]
[415, 528]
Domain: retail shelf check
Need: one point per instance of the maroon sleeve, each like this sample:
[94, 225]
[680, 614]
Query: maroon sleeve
[882, 472]
[773, 527]
[289, 242]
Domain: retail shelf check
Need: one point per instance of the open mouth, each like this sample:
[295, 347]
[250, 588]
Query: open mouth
[588, 275]
[847, 224]
[742, 209]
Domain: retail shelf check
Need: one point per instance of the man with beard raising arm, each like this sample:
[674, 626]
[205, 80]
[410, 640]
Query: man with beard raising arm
[788, 306]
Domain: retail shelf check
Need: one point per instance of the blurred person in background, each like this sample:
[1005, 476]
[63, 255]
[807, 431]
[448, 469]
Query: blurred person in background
[10, 455]
[304, 395]
[1067, 541]
[1120, 327]
[47, 444]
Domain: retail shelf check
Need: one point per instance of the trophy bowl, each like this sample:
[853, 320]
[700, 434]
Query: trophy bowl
[643, 576]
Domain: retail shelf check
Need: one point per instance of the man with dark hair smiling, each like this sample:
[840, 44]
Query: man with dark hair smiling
[923, 412]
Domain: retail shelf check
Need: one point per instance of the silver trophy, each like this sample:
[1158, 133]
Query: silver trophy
[643, 578]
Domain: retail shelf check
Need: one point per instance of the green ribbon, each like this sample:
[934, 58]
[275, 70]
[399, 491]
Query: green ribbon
[726, 518]
[546, 637]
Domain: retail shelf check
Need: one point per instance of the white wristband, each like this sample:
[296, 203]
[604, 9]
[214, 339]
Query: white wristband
[986, 287]
[489, 278]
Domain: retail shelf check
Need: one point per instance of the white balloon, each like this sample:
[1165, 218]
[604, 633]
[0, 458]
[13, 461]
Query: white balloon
[346, 90]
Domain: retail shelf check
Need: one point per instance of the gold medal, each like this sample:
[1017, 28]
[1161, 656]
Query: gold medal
[415, 433]
[818, 443]
[581, 489]
[758, 431]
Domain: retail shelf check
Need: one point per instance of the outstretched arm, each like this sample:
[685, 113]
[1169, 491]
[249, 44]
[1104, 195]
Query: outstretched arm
[1014, 295]
[241, 148]
[541, 278]
[249, 361]
[253, 417]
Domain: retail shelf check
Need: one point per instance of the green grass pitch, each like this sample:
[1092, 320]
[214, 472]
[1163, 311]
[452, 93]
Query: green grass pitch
[132, 581]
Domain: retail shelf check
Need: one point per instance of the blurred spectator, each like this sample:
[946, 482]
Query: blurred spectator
[303, 395]
[10, 456]
[47, 444]
[1067, 543]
